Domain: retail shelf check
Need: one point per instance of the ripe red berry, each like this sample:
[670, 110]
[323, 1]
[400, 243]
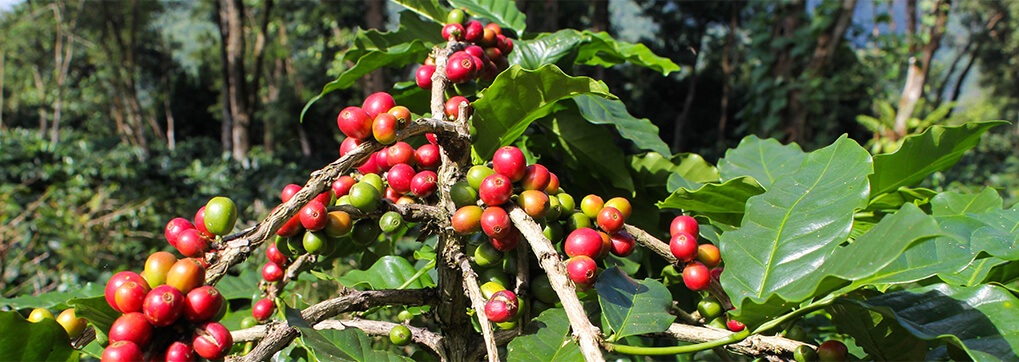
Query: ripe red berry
[423, 76]
[164, 305]
[180, 352]
[200, 224]
[313, 216]
[502, 306]
[349, 144]
[686, 224]
[510, 161]
[452, 107]
[582, 271]
[622, 244]
[423, 184]
[378, 103]
[495, 190]
[116, 281]
[212, 340]
[473, 32]
[400, 176]
[175, 227]
[272, 272]
[342, 185]
[735, 325]
[263, 309]
[384, 130]
[427, 157]
[683, 247]
[583, 241]
[610, 220]
[460, 68]
[202, 303]
[535, 203]
[467, 219]
[508, 242]
[536, 177]
[696, 276]
[192, 244]
[355, 122]
[273, 253]
[496, 222]
[716, 273]
[186, 274]
[122, 351]
[132, 327]
[130, 296]
[832, 350]
[291, 227]
[400, 152]
[370, 166]
[454, 31]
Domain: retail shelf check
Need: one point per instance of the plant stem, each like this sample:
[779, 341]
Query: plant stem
[665, 351]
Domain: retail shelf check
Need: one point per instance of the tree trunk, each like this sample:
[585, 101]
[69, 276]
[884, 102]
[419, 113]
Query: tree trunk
[727, 69]
[917, 74]
[951, 70]
[171, 133]
[40, 90]
[375, 19]
[288, 63]
[962, 78]
[226, 127]
[234, 10]
[691, 90]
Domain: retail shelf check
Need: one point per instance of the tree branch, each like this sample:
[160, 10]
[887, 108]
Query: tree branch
[470, 284]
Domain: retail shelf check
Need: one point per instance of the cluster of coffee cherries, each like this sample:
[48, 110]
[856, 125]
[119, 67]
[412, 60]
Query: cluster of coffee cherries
[379, 118]
[193, 240]
[483, 57]
[167, 313]
[73, 325]
[584, 244]
[699, 258]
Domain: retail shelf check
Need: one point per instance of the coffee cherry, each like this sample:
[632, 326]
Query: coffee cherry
[130, 296]
[354, 122]
[132, 327]
[156, 267]
[38, 314]
[338, 224]
[452, 107]
[122, 351]
[202, 303]
[716, 274]
[610, 220]
[455, 16]
[400, 152]
[495, 190]
[507, 243]
[497, 276]
[349, 144]
[370, 166]
[467, 219]
[535, 203]
[461, 68]
[735, 325]
[192, 244]
[314, 242]
[200, 223]
[384, 129]
[686, 224]
[495, 28]
[263, 309]
[453, 31]
[313, 216]
[502, 306]
[536, 177]
[423, 76]
[423, 184]
[832, 350]
[400, 335]
[212, 340]
[804, 353]
[487, 255]
[186, 274]
[583, 241]
[683, 247]
[554, 209]
[289, 191]
[590, 205]
[291, 227]
[73, 325]
[496, 222]
[164, 305]
[510, 161]
[274, 255]
[220, 215]
[708, 255]
[364, 196]
[390, 222]
[709, 308]
[582, 271]
[606, 245]
[175, 227]
[473, 31]
[462, 194]
[622, 244]
[491, 52]
[696, 276]
[476, 174]
[542, 289]
[553, 231]
[621, 204]
[116, 281]
[553, 185]
[399, 177]
[374, 180]
[272, 272]
[365, 232]
[578, 220]
[569, 205]
[180, 352]
[378, 103]
[427, 157]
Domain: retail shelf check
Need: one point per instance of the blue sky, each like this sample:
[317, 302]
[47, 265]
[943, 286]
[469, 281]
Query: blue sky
[7, 4]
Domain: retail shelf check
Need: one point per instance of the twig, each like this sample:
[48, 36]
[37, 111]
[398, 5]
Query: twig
[293, 270]
[379, 328]
[659, 247]
[470, 284]
[753, 346]
[586, 333]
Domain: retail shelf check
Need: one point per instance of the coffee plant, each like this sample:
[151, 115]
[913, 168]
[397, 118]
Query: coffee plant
[518, 229]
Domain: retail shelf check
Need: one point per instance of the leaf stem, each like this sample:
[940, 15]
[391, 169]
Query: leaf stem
[664, 351]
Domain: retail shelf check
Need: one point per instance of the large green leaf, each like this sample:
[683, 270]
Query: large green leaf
[633, 308]
[430, 9]
[642, 132]
[893, 200]
[722, 202]
[96, 310]
[1000, 236]
[953, 203]
[584, 144]
[21, 340]
[54, 300]
[546, 338]
[948, 253]
[881, 337]
[350, 344]
[936, 149]
[652, 169]
[546, 49]
[980, 320]
[692, 172]
[791, 231]
[518, 97]
[606, 51]
[244, 286]
[411, 28]
[974, 273]
[502, 12]
[764, 160]
[389, 272]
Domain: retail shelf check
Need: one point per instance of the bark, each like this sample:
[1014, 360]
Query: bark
[375, 18]
[962, 78]
[171, 134]
[226, 127]
[727, 70]
[951, 70]
[40, 90]
[916, 77]
[123, 82]
[233, 11]
[291, 71]
[691, 90]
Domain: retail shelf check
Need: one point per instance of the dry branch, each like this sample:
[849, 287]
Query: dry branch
[754, 346]
[470, 285]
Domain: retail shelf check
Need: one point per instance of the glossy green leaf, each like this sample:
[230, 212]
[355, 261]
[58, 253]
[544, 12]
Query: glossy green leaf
[96, 310]
[881, 337]
[980, 320]
[583, 144]
[546, 338]
[411, 28]
[642, 132]
[724, 202]
[518, 97]
[936, 149]
[350, 344]
[790, 232]
[606, 51]
[893, 200]
[764, 160]
[502, 12]
[632, 307]
[691, 173]
[244, 286]
[1000, 235]
[652, 169]
[430, 9]
[546, 49]
[949, 253]
[54, 300]
[953, 203]
[974, 273]
[22, 340]
[389, 272]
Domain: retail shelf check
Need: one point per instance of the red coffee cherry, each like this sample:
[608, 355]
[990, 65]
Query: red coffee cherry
[582, 271]
[423, 76]
[342, 185]
[473, 32]
[467, 219]
[686, 224]
[508, 242]
[510, 161]
[164, 305]
[192, 244]
[175, 227]
[313, 216]
[536, 177]
[495, 190]
[423, 184]
[496, 222]
[263, 309]
[116, 281]
[400, 176]
[461, 68]
[696, 276]
[272, 272]
[502, 306]
[683, 247]
[354, 122]
[452, 107]
[400, 152]
[622, 244]
[212, 340]
[427, 157]
[453, 31]
[123, 351]
[202, 304]
[132, 327]
[583, 241]
[610, 220]
[130, 296]
[378, 103]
